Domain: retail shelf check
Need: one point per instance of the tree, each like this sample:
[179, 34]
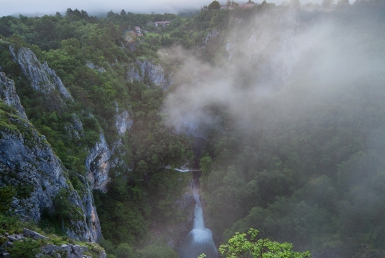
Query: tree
[240, 246]
[214, 5]
[6, 194]
[69, 12]
[124, 251]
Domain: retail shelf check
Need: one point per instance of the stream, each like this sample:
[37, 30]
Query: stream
[200, 239]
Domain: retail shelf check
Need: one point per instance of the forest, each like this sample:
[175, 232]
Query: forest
[289, 99]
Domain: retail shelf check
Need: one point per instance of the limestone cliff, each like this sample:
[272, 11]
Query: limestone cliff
[29, 165]
[98, 164]
[143, 70]
[8, 95]
[103, 157]
[40, 76]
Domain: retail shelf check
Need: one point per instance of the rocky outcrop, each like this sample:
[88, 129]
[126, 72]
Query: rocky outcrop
[41, 77]
[98, 165]
[143, 70]
[28, 164]
[211, 34]
[75, 128]
[50, 250]
[102, 158]
[93, 222]
[123, 121]
[8, 94]
[33, 234]
[95, 67]
[73, 251]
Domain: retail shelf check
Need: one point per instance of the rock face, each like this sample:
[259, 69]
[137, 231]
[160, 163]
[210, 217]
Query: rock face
[95, 67]
[146, 69]
[123, 121]
[50, 250]
[8, 94]
[28, 163]
[98, 165]
[212, 34]
[41, 77]
[102, 157]
[75, 128]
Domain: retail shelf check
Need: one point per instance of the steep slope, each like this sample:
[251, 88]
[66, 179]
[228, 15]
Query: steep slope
[41, 182]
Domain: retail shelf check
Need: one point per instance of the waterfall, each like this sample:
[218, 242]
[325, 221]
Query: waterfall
[200, 239]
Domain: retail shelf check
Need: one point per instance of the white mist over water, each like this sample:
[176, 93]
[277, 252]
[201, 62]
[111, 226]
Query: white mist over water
[200, 239]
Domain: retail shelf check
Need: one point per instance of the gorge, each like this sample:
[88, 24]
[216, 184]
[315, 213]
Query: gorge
[277, 111]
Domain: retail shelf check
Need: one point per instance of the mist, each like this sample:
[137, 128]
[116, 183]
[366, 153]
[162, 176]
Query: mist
[42, 7]
[295, 101]
[293, 59]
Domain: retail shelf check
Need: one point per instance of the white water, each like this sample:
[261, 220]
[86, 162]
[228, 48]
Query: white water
[185, 170]
[200, 239]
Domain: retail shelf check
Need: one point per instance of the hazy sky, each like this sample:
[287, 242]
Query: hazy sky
[14, 7]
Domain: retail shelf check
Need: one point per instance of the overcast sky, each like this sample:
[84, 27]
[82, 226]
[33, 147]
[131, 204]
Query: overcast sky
[39, 7]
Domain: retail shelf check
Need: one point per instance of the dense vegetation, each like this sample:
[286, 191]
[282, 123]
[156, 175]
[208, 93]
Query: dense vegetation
[309, 172]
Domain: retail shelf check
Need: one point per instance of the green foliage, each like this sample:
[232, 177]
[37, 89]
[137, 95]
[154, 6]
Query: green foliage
[214, 5]
[6, 194]
[312, 178]
[124, 251]
[241, 246]
[156, 251]
[26, 248]
[29, 247]
[65, 212]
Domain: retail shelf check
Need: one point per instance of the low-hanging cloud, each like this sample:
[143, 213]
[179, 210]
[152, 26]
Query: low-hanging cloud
[40, 7]
[278, 63]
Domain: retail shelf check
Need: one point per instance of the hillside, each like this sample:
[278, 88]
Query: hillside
[96, 113]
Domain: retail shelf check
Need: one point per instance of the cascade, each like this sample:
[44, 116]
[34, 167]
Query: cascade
[200, 239]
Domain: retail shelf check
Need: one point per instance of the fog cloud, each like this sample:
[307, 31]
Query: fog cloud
[40, 7]
[279, 65]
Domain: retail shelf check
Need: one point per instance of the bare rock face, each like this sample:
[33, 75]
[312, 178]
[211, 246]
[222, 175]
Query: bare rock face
[154, 72]
[95, 67]
[41, 77]
[103, 157]
[98, 165]
[123, 121]
[29, 165]
[8, 94]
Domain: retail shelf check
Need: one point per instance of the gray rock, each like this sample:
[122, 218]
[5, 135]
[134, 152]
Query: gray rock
[123, 121]
[98, 165]
[95, 67]
[154, 72]
[71, 251]
[103, 254]
[41, 77]
[33, 234]
[15, 237]
[75, 128]
[8, 94]
[212, 34]
[27, 160]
